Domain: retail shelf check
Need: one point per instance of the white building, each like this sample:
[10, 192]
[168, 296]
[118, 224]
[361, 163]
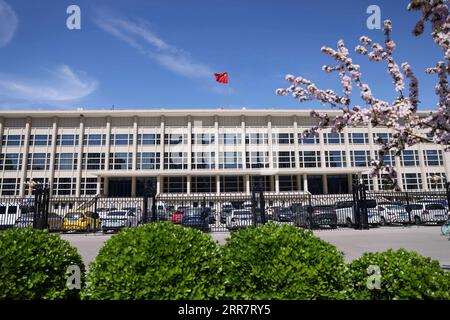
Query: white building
[88, 152]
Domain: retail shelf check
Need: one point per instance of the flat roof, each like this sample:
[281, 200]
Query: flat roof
[168, 112]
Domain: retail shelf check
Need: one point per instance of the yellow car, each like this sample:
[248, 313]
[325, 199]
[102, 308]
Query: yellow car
[80, 220]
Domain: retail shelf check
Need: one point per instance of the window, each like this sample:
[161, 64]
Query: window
[230, 138]
[175, 184]
[10, 186]
[436, 181]
[89, 186]
[231, 184]
[64, 186]
[309, 139]
[175, 160]
[36, 181]
[203, 184]
[203, 138]
[66, 161]
[13, 140]
[40, 140]
[366, 180]
[148, 161]
[382, 137]
[149, 139]
[284, 159]
[333, 138]
[175, 138]
[257, 159]
[94, 139]
[38, 161]
[433, 157]
[121, 139]
[287, 183]
[412, 181]
[67, 140]
[310, 159]
[335, 159]
[230, 160]
[360, 158]
[261, 182]
[203, 160]
[410, 158]
[388, 158]
[256, 138]
[93, 161]
[358, 138]
[120, 161]
[283, 138]
[11, 161]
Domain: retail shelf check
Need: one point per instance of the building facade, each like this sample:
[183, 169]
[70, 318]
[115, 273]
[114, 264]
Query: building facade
[115, 153]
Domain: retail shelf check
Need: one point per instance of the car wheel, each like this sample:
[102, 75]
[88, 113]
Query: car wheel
[382, 221]
[417, 220]
[349, 223]
[88, 228]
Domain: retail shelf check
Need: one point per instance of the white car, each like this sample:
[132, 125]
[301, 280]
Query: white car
[119, 219]
[9, 214]
[241, 218]
[344, 212]
[392, 213]
[428, 212]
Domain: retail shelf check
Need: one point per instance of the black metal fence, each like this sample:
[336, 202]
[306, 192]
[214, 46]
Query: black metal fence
[226, 212]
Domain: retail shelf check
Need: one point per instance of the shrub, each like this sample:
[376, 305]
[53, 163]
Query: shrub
[282, 262]
[156, 261]
[33, 265]
[404, 275]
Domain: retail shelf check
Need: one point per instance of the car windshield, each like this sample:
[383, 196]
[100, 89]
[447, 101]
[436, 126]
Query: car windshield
[434, 206]
[242, 212]
[393, 207]
[415, 206]
[193, 211]
[117, 214]
[344, 204]
[74, 215]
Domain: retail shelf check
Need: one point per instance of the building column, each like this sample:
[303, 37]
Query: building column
[350, 181]
[80, 157]
[247, 184]
[133, 186]
[106, 186]
[269, 141]
[99, 186]
[188, 184]
[189, 145]
[218, 185]
[422, 165]
[299, 182]
[1, 132]
[305, 183]
[243, 145]
[277, 183]
[158, 184]
[216, 141]
[272, 183]
[135, 142]
[296, 148]
[161, 143]
[108, 144]
[399, 173]
[23, 174]
[325, 184]
[53, 153]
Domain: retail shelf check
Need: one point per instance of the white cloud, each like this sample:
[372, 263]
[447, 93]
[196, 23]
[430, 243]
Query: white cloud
[139, 36]
[65, 85]
[8, 23]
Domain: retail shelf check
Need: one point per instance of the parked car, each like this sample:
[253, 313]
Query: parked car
[178, 215]
[102, 212]
[428, 212]
[197, 218]
[283, 214]
[322, 215]
[270, 212]
[54, 221]
[392, 213]
[345, 216]
[225, 211]
[81, 220]
[162, 215]
[441, 201]
[136, 210]
[119, 219]
[240, 218]
[10, 212]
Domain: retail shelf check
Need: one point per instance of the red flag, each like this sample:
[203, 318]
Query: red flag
[221, 77]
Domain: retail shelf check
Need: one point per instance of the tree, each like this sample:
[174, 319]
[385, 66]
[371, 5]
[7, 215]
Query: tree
[400, 115]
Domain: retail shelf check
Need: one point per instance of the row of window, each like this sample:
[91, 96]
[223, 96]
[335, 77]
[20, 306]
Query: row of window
[207, 160]
[201, 138]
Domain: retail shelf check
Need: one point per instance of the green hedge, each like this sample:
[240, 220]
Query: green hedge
[403, 275]
[33, 265]
[282, 262]
[156, 261]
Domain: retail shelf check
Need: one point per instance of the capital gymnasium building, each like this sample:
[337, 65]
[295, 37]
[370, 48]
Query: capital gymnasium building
[116, 152]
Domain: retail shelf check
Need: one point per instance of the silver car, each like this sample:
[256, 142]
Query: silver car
[392, 213]
[241, 218]
[118, 219]
[428, 212]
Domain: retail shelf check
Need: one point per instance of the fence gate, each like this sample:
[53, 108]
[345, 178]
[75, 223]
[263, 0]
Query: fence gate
[41, 207]
[360, 213]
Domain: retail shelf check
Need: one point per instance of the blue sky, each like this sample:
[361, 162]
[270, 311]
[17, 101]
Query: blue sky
[162, 54]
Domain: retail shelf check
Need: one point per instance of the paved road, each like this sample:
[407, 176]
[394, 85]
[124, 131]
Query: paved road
[425, 240]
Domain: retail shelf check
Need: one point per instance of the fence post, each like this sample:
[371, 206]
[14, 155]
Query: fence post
[46, 202]
[95, 214]
[144, 208]
[262, 205]
[363, 201]
[408, 207]
[310, 211]
[356, 208]
[37, 207]
[447, 189]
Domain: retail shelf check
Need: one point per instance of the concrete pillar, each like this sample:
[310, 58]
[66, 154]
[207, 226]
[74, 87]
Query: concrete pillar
[108, 145]
[135, 142]
[247, 184]
[99, 185]
[269, 140]
[277, 183]
[133, 186]
[422, 165]
[243, 146]
[2, 127]
[189, 144]
[216, 141]
[159, 185]
[218, 185]
[162, 145]
[296, 148]
[399, 170]
[106, 186]
[272, 183]
[80, 157]
[299, 182]
[350, 182]
[325, 184]
[23, 174]
[53, 153]
[188, 184]
[305, 183]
